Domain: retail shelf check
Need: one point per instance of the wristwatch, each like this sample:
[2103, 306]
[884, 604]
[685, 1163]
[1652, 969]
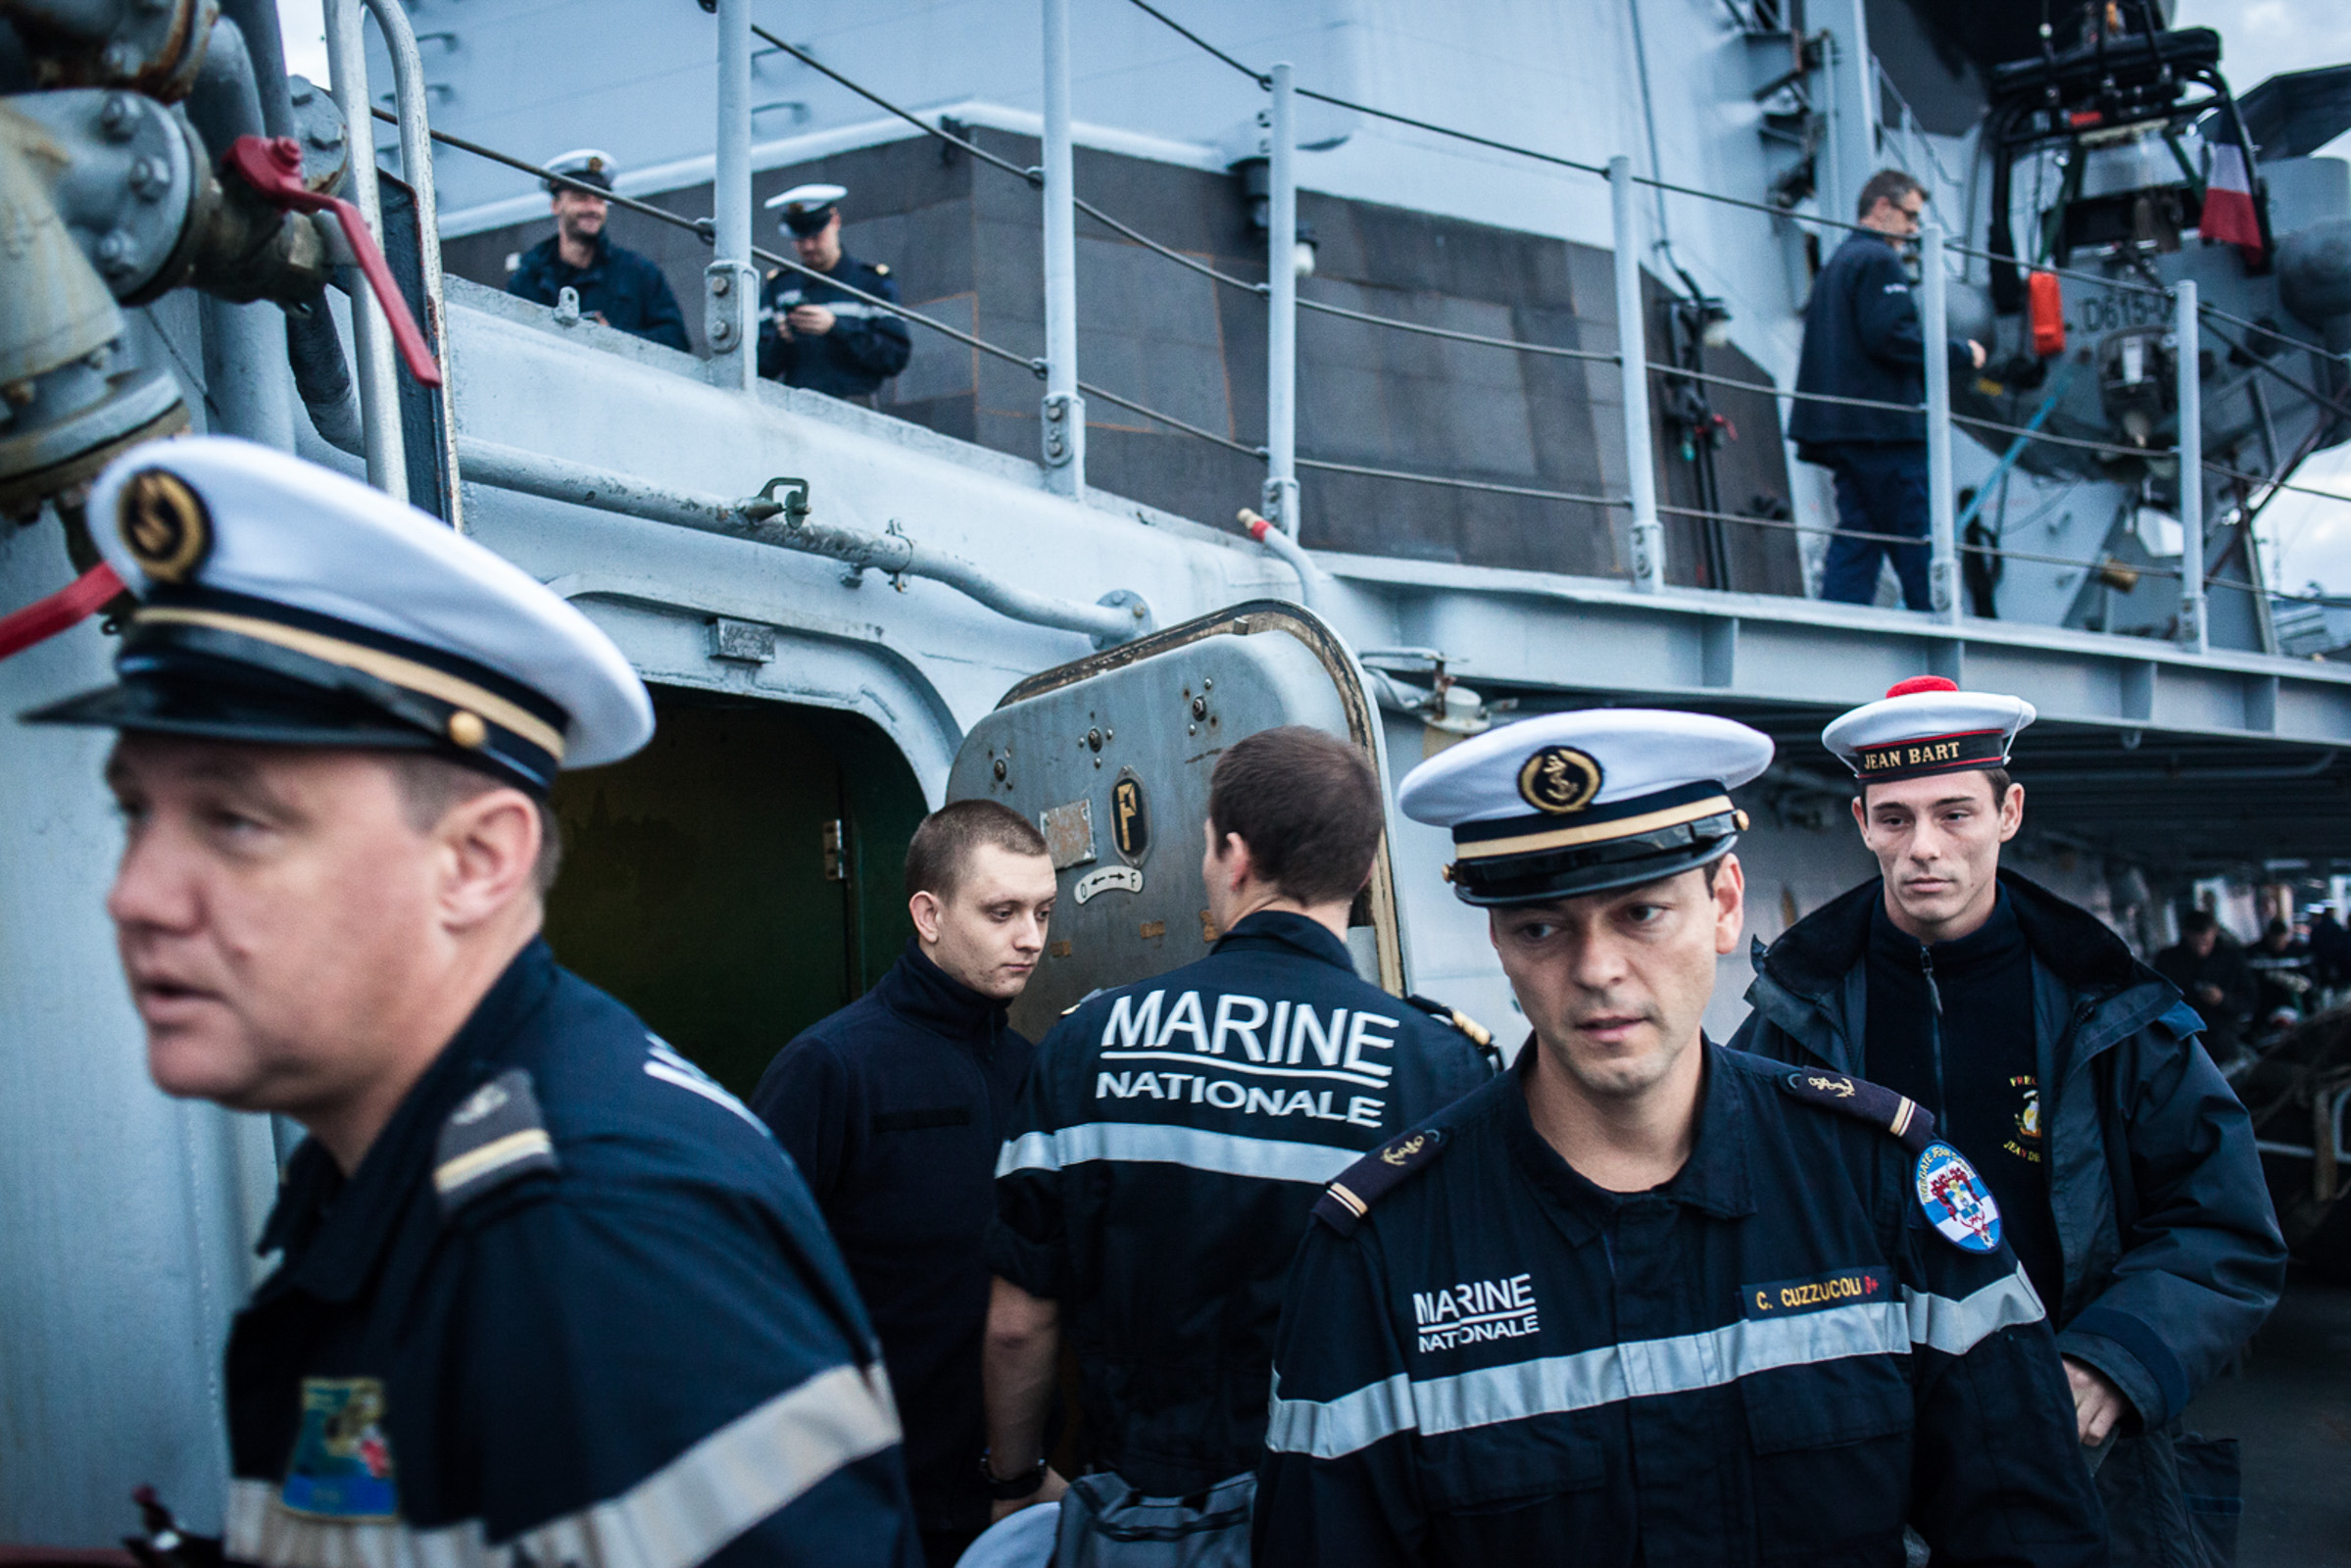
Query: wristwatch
[1021, 1486]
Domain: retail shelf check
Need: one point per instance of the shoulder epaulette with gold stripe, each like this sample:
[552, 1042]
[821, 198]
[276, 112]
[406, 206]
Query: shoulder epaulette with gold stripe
[496, 1136]
[1346, 1201]
[1897, 1114]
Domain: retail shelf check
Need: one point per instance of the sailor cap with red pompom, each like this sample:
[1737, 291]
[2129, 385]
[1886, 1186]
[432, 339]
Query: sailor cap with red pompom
[1927, 726]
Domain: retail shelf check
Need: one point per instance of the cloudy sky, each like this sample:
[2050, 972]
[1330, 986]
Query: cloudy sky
[2306, 539]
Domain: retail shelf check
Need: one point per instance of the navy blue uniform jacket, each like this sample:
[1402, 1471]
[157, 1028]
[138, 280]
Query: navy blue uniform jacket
[866, 346]
[1171, 1140]
[1861, 340]
[574, 1307]
[624, 287]
[894, 1108]
[2171, 1252]
[1771, 1358]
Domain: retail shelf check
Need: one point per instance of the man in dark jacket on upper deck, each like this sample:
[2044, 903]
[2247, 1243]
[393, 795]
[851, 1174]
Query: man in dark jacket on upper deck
[615, 285]
[1862, 340]
[894, 1107]
[814, 332]
[2071, 1073]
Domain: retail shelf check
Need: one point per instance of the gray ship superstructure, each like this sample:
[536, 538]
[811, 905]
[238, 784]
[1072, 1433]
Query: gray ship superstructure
[1026, 572]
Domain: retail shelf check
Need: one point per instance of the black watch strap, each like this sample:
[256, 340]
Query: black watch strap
[1021, 1486]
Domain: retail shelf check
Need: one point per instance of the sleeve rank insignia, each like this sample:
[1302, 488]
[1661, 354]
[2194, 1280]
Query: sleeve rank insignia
[1346, 1201]
[494, 1138]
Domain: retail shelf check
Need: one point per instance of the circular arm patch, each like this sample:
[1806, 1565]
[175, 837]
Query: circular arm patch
[1956, 1201]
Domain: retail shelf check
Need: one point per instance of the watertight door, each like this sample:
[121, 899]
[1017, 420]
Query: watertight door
[1111, 755]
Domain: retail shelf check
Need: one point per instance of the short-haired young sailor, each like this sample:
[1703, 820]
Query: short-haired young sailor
[2069, 1073]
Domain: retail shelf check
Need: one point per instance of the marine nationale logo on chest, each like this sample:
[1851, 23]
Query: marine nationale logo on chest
[342, 1464]
[1474, 1311]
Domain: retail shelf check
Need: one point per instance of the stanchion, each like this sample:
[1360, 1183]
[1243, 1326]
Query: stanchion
[1281, 316]
[1063, 411]
[1942, 565]
[2190, 447]
[1632, 375]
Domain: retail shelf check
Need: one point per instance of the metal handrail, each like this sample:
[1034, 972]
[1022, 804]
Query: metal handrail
[416, 165]
[763, 519]
[378, 376]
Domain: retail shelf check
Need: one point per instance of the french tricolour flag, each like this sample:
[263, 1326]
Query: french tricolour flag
[2228, 190]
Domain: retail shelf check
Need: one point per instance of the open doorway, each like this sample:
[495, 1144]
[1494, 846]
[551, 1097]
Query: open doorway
[739, 878]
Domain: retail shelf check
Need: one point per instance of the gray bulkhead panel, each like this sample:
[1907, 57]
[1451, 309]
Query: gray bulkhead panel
[1113, 757]
[126, 1219]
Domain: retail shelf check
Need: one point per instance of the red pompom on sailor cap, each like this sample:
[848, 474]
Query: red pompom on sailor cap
[1927, 726]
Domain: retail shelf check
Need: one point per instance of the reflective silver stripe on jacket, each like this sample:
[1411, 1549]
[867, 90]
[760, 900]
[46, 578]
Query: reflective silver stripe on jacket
[1227, 1153]
[1955, 1327]
[1641, 1368]
[675, 1518]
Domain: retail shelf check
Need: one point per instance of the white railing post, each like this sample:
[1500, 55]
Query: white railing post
[730, 282]
[1281, 309]
[1935, 325]
[1632, 375]
[2190, 449]
[1852, 82]
[378, 360]
[1063, 411]
[415, 166]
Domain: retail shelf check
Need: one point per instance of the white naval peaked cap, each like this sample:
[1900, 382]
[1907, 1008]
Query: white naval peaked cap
[1927, 726]
[1568, 804]
[591, 166]
[281, 602]
[806, 209]
[808, 196]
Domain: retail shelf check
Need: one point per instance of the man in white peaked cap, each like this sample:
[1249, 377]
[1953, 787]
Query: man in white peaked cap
[2069, 1073]
[547, 1292]
[613, 284]
[813, 331]
[1642, 1299]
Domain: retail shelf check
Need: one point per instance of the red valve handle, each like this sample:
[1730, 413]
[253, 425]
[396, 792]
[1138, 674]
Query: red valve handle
[274, 167]
[45, 618]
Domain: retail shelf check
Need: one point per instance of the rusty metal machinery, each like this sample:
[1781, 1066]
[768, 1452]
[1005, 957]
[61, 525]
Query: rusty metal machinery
[150, 154]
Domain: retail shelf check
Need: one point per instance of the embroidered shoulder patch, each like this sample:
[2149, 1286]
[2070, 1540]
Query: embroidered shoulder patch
[1346, 1201]
[1956, 1201]
[342, 1464]
[494, 1138]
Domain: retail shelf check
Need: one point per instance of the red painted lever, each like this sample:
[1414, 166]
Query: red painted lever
[46, 618]
[274, 167]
